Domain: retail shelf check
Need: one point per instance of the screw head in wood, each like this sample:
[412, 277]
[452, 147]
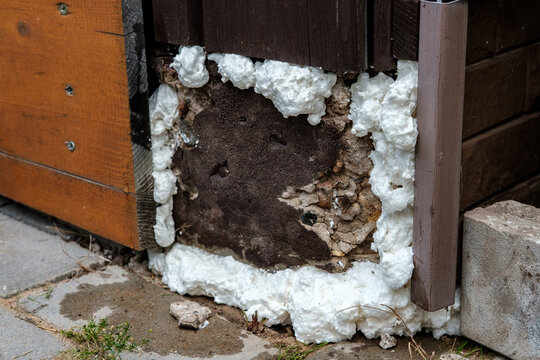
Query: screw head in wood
[70, 145]
[63, 9]
[69, 90]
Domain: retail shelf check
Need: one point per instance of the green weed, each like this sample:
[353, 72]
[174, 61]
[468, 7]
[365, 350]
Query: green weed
[102, 341]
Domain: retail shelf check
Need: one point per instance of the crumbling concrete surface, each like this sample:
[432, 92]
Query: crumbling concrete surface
[500, 305]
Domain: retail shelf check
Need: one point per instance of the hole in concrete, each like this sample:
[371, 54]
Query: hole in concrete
[308, 218]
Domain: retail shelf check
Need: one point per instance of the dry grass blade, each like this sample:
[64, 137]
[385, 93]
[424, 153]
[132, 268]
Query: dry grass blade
[62, 235]
[417, 347]
[23, 354]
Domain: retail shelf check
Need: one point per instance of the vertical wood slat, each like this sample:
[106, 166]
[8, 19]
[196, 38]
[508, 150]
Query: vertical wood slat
[441, 79]
[178, 21]
[291, 39]
[317, 33]
[383, 59]
[405, 29]
[337, 34]
[261, 29]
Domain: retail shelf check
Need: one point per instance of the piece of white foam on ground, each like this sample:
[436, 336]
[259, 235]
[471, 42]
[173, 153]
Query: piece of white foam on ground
[190, 66]
[163, 112]
[322, 306]
[237, 69]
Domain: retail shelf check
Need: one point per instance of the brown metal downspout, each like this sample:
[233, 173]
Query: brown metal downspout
[441, 82]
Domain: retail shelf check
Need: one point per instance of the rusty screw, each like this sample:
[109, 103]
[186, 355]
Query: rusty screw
[70, 145]
[63, 9]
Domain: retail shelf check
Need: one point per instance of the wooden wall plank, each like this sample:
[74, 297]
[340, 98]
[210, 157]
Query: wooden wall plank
[323, 26]
[405, 28]
[441, 78]
[526, 192]
[261, 30]
[178, 21]
[337, 34]
[99, 209]
[496, 26]
[495, 90]
[316, 33]
[533, 78]
[42, 52]
[499, 158]
[383, 59]
[238, 36]
[291, 40]
[99, 50]
[215, 24]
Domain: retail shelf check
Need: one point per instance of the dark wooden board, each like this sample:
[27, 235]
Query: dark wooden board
[441, 78]
[526, 192]
[495, 90]
[499, 158]
[405, 27]
[319, 33]
[290, 25]
[533, 78]
[261, 31]
[178, 21]
[383, 59]
[496, 26]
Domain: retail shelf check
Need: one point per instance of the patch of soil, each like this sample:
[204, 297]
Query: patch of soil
[146, 307]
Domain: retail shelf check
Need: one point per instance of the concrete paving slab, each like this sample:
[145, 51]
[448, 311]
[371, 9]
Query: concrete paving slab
[19, 337]
[30, 257]
[121, 296]
[31, 217]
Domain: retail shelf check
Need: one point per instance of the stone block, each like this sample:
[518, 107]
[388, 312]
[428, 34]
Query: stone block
[500, 305]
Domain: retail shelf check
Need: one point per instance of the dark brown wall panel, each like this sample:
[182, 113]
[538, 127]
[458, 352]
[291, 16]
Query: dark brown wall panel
[496, 26]
[320, 33]
[334, 40]
[495, 90]
[533, 78]
[405, 27]
[383, 59]
[499, 158]
[178, 21]
[526, 192]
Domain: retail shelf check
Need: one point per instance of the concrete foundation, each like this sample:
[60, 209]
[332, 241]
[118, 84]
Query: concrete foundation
[500, 306]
